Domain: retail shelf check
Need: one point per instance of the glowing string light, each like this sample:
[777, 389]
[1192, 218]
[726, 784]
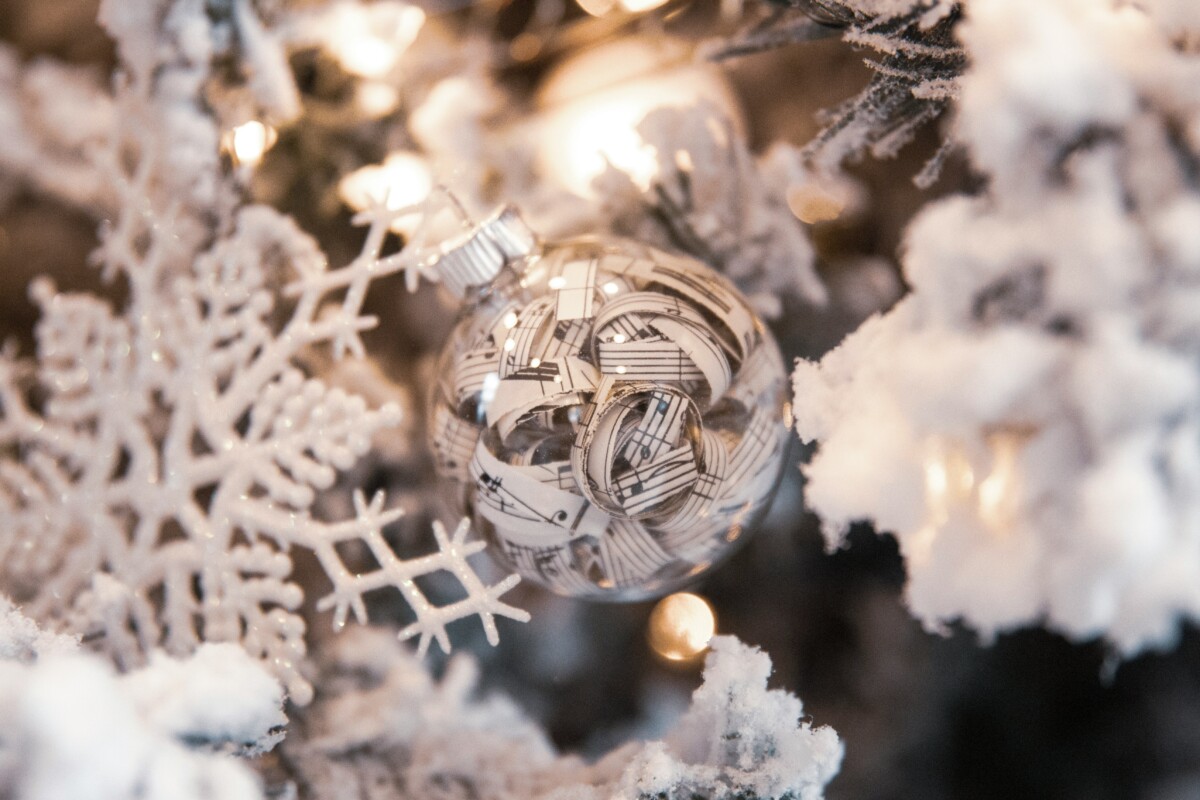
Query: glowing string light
[249, 142]
[681, 626]
[402, 180]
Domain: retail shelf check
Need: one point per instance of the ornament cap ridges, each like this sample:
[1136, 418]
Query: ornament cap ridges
[477, 257]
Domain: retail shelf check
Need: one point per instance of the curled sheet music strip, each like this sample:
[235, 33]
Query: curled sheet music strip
[519, 348]
[527, 510]
[458, 439]
[651, 336]
[550, 384]
[645, 421]
[723, 305]
[472, 372]
[577, 297]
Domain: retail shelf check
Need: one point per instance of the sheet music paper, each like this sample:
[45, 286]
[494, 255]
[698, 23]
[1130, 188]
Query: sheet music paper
[659, 429]
[567, 339]
[577, 297]
[472, 371]
[642, 488]
[604, 475]
[551, 383]
[655, 337]
[630, 554]
[520, 345]
[527, 511]
[458, 438]
[722, 304]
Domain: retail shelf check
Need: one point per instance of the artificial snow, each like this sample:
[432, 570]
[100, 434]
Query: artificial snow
[75, 729]
[387, 728]
[1027, 421]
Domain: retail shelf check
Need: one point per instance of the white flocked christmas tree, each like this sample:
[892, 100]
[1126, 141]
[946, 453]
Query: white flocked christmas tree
[974, 225]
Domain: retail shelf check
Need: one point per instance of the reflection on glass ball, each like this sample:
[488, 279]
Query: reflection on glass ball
[611, 416]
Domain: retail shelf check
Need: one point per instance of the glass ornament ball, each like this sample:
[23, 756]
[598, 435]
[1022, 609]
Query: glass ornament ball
[613, 418]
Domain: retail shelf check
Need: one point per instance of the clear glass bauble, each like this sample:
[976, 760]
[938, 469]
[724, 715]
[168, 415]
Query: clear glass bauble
[613, 418]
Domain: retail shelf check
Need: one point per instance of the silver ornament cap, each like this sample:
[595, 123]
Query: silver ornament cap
[477, 256]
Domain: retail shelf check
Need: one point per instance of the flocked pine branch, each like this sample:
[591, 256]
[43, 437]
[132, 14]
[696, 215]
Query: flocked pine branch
[915, 75]
[166, 731]
[54, 120]
[1026, 420]
[710, 197]
[387, 728]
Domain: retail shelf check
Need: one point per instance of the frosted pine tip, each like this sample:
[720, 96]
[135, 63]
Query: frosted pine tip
[681, 626]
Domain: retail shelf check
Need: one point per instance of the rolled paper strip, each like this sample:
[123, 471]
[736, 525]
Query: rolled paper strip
[632, 448]
[622, 409]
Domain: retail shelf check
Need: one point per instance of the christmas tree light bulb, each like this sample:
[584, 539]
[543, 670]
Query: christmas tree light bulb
[402, 180]
[641, 6]
[376, 98]
[597, 8]
[369, 42]
[595, 101]
[681, 626]
[249, 142]
[997, 492]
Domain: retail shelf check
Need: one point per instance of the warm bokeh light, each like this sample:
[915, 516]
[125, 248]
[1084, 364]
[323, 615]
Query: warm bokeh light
[403, 179]
[949, 478]
[811, 204]
[525, 47]
[249, 142]
[377, 99]
[641, 6]
[997, 492]
[952, 487]
[681, 626]
[595, 101]
[597, 8]
[370, 44]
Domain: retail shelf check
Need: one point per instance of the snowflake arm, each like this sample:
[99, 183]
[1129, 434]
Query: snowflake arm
[481, 600]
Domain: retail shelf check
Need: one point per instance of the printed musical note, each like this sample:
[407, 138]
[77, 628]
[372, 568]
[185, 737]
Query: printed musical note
[567, 340]
[526, 510]
[658, 430]
[642, 488]
[706, 291]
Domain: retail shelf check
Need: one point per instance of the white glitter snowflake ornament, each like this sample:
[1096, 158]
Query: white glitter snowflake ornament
[159, 461]
[170, 463]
